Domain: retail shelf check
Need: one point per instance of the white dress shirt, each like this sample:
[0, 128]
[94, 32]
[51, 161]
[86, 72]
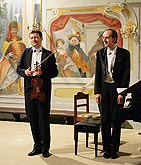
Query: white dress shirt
[111, 55]
[36, 58]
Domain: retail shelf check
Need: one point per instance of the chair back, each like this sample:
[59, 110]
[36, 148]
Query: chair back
[81, 106]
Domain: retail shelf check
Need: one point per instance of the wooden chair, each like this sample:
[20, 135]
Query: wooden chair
[84, 121]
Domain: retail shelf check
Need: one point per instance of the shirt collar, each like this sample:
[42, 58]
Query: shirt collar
[37, 50]
[113, 51]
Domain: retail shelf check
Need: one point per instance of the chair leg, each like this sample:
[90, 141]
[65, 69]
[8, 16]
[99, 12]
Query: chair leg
[87, 139]
[76, 142]
[96, 143]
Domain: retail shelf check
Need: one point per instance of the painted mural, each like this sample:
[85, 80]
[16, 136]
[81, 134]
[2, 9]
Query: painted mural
[77, 37]
[11, 45]
[76, 33]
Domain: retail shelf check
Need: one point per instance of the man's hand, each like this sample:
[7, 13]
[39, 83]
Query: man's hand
[98, 98]
[83, 89]
[34, 72]
[120, 99]
[37, 71]
[28, 72]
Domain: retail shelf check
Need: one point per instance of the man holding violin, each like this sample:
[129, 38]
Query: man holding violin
[38, 67]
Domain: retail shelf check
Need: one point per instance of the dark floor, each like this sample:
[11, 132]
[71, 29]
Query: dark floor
[23, 118]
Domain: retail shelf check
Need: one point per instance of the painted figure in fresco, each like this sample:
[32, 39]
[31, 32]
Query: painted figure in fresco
[11, 53]
[99, 44]
[66, 67]
[77, 54]
[91, 54]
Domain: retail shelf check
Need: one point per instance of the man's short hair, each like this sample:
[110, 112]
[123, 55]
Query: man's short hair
[36, 31]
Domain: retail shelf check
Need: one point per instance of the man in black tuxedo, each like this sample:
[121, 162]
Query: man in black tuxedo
[112, 72]
[37, 90]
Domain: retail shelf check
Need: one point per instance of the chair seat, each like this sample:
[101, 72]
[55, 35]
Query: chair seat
[86, 115]
[96, 116]
[89, 115]
[90, 125]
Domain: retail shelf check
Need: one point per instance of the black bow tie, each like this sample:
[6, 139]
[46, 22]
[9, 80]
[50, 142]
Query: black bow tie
[37, 50]
[109, 52]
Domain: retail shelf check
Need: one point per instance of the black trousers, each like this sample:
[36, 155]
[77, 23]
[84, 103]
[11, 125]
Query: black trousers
[38, 116]
[110, 118]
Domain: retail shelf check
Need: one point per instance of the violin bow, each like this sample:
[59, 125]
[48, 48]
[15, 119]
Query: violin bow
[46, 58]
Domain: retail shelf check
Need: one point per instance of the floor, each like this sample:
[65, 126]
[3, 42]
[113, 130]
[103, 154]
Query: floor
[16, 142]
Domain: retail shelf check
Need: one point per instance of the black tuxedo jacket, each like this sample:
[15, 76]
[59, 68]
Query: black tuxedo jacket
[49, 70]
[121, 71]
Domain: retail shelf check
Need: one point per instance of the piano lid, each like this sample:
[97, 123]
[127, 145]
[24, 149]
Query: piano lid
[135, 88]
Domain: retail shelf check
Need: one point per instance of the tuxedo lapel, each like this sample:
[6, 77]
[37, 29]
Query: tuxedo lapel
[103, 58]
[29, 57]
[43, 54]
[118, 59]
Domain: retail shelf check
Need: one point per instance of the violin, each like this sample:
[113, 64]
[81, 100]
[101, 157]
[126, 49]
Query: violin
[37, 83]
[37, 93]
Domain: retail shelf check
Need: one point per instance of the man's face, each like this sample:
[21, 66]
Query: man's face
[35, 40]
[60, 43]
[14, 31]
[108, 40]
[74, 41]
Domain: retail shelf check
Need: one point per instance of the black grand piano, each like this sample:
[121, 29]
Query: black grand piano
[133, 110]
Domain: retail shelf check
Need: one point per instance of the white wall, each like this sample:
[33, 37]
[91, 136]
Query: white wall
[47, 5]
